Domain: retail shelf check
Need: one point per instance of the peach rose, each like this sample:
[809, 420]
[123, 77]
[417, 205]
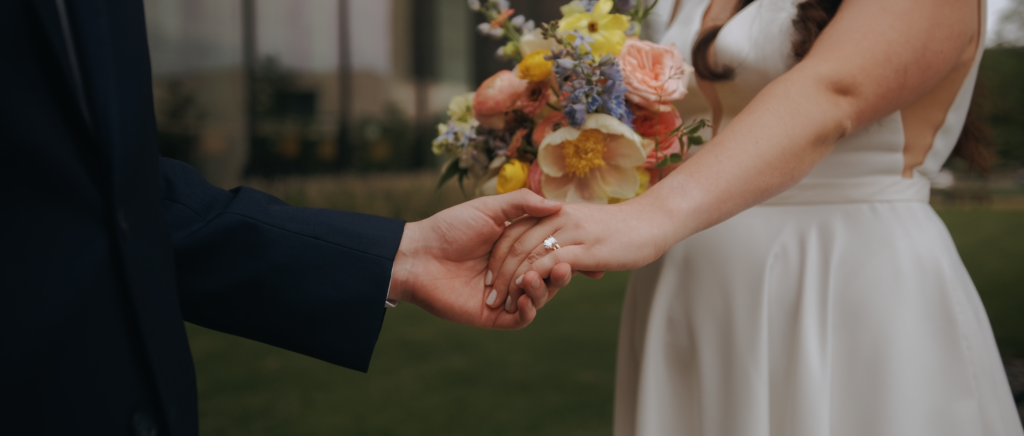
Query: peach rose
[553, 121]
[497, 95]
[655, 74]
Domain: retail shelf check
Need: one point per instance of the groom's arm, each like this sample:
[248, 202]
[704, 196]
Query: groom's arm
[313, 281]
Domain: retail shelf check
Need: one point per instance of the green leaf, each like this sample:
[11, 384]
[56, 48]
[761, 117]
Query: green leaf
[450, 170]
[675, 158]
[663, 163]
[695, 140]
[462, 175]
[692, 129]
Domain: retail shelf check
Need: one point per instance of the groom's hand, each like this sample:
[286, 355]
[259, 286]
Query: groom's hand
[442, 261]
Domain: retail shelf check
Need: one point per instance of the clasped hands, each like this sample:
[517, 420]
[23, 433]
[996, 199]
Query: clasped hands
[468, 265]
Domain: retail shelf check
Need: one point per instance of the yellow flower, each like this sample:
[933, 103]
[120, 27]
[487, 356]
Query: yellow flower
[592, 164]
[608, 30]
[512, 176]
[535, 68]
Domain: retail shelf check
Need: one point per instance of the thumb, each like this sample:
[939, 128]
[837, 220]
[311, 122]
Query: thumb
[512, 205]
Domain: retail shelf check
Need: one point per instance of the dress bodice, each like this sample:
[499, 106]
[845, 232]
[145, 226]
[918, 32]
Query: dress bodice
[868, 165]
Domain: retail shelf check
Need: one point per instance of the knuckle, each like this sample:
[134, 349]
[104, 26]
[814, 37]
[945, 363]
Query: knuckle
[517, 250]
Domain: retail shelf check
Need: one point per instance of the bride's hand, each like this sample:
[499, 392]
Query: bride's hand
[592, 238]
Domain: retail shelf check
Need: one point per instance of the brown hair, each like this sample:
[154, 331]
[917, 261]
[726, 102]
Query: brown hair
[812, 16]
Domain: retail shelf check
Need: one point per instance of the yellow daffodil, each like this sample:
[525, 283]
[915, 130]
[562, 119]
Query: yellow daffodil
[535, 68]
[512, 176]
[594, 163]
[608, 30]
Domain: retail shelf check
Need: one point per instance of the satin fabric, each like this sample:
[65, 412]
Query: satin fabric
[839, 307]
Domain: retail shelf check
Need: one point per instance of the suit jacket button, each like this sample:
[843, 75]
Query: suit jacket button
[143, 424]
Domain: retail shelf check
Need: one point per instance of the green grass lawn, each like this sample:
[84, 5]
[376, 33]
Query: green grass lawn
[555, 377]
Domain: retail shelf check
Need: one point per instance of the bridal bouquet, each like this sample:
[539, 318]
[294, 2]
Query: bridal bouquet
[585, 114]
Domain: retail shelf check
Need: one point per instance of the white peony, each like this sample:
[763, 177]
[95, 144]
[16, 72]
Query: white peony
[594, 163]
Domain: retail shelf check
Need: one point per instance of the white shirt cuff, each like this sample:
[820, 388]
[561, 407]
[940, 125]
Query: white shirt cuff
[388, 302]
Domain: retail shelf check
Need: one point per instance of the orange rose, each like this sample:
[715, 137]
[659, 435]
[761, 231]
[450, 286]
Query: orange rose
[534, 178]
[553, 121]
[497, 95]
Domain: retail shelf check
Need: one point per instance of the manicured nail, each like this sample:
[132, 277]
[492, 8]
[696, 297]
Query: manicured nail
[550, 202]
[535, 284]
[508, 303]
[519, 281]
[492, 296]
[490, 278]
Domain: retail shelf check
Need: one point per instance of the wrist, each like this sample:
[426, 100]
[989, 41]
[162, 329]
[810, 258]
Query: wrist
[665, 210]
[405, 261]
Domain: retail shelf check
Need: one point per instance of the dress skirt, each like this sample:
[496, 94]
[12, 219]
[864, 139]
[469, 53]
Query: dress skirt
[809, 320]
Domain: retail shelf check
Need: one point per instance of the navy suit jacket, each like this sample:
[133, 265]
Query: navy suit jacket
[107, 248]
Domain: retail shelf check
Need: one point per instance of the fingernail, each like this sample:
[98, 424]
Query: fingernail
[492, 296]
[490, 278]
[508, 303]
[551, 202]
[535, 284]
[529, 303]
[519, 281]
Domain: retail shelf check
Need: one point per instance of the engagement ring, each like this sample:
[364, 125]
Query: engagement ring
[551, 243]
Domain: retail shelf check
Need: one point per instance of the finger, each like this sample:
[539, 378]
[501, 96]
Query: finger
[526, 267]
[499, 252]
[593, 274]
[509, 273]
[518, 320]
[537, 289]
[571, 255]
[541, 291]
[504, 207]
[560, 276]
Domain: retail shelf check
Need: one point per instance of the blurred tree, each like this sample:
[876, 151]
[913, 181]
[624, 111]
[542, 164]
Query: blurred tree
[1002, 93]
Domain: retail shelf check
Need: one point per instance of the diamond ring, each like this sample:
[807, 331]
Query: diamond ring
[551, 243]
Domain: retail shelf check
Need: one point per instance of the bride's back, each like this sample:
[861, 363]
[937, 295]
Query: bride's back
[890, 159]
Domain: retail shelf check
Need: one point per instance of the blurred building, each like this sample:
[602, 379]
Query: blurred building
[271, 87]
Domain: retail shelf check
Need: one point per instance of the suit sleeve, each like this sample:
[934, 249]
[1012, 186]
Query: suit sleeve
[308, 280]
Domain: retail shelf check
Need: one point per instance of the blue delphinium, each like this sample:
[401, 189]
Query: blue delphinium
[613, 96]
[456, 138]
[591, 87]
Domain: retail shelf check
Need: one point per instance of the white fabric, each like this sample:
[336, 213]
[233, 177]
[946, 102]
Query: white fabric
[840, 307]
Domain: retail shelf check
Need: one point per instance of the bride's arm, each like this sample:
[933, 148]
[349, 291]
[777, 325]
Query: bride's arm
[875, 57]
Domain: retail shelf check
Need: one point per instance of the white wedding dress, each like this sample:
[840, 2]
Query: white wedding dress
[839, 307]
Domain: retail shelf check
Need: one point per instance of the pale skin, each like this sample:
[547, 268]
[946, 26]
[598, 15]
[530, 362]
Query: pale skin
[875, 57]
[441, 264]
